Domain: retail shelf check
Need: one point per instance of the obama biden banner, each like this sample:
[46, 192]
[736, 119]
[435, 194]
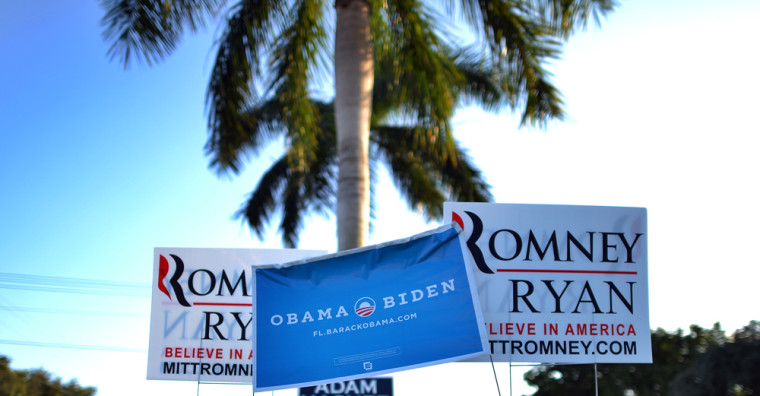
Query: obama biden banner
[368, 311]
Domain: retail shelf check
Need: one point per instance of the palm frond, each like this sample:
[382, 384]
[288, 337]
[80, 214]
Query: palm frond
[292, 208]
[150, 30]
[425, 176]
[410, 174]
[519, 47]
[481, 81]
[463, 180]
[421, 71]
[416, 81]
[264, 199]
[232, 87]
[272, 52]
[294, 189]
[298, 52]
[230, 147]
[567, 16]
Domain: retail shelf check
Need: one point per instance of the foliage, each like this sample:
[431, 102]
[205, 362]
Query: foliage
[703, 362]
[272, 54]
[731, 368]
[36, 383]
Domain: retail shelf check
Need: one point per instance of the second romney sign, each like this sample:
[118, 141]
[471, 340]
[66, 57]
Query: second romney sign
[561, 284]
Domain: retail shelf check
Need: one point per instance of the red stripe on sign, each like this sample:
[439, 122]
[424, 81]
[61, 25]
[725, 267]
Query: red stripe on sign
[568, 271]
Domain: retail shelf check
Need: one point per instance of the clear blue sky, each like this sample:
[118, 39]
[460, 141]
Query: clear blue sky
[101, 164]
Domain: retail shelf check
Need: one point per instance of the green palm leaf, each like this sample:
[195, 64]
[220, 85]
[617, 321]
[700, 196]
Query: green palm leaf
[272, 53]
[152, 29]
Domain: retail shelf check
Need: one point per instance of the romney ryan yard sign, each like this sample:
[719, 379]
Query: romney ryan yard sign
[561, 284]
[200, 324]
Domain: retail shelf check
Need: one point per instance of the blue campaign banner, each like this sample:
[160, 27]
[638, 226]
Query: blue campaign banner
[364, 312]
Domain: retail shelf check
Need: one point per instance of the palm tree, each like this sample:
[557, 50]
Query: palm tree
[398, 73]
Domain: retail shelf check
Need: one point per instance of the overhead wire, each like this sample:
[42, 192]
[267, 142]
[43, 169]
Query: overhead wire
[72, 346]
[72, 285]
[42, 283]
[13, 308]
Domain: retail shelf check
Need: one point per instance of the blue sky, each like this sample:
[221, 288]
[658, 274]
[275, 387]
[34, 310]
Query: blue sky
[101, 164]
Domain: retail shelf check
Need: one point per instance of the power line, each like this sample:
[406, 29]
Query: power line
[75, 290]
[13, 308]
[58, 280]
[72, 285]
[72, 346]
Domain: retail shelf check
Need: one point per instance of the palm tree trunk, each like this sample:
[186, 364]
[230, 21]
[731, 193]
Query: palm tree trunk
[354, 77]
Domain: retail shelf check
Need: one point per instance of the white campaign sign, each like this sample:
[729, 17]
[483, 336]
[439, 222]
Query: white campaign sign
[560, 284]
[201, 315]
